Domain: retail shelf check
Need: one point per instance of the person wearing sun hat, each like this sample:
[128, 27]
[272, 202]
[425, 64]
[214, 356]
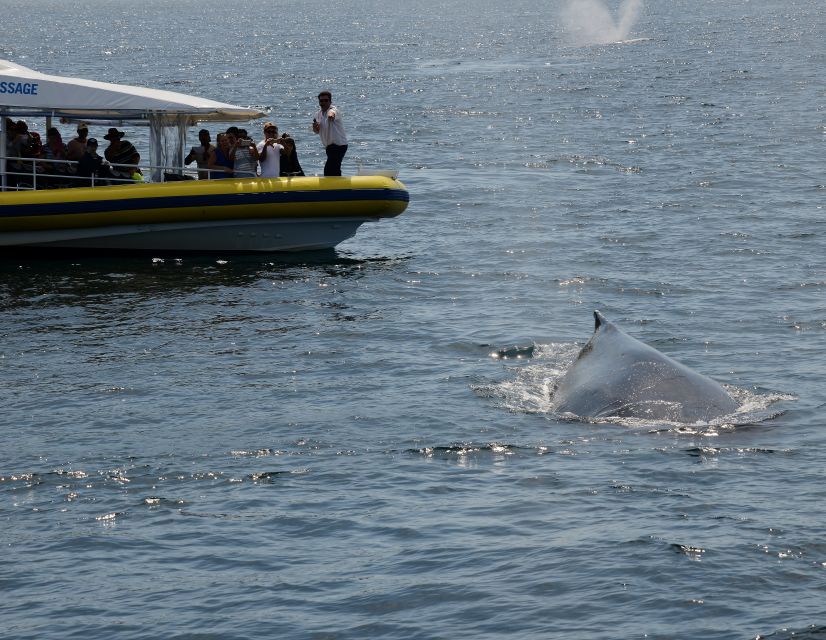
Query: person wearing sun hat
[120, 152]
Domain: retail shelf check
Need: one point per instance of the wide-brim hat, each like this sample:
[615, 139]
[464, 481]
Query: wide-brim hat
[114, 134]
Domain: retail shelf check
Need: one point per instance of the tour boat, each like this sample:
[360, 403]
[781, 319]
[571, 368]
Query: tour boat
[168, 213]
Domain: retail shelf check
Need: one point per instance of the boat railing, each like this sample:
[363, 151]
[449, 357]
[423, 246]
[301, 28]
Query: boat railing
[28, 174]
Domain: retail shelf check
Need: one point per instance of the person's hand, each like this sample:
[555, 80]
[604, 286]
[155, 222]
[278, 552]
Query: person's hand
[316, 126]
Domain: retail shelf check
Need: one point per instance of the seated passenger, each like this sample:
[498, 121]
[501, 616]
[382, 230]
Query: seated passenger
[244, 156]
[77, 145]
[92, 165]
[121, 152]
[289, 161]
[26, 145]
[219, 161]
[54, 172]
[200, 154]
[11, 132]
[11, 137]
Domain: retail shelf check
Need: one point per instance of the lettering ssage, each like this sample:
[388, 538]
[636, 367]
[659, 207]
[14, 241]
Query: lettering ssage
[26, 88]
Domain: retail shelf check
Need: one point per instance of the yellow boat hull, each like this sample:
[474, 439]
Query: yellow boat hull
[251, 214]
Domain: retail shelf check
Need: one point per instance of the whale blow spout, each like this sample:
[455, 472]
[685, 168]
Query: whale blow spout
[589, 22]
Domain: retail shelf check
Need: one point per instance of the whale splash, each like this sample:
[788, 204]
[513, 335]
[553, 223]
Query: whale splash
[590, 22]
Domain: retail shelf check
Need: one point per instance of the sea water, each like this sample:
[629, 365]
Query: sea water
[362, 444]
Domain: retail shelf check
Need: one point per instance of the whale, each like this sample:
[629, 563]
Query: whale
[616, 375]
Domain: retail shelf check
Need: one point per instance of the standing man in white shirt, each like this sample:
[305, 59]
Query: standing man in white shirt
[270, 151]
[328, 125]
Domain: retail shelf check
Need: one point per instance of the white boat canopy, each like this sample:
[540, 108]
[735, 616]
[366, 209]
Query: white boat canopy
[25, 92]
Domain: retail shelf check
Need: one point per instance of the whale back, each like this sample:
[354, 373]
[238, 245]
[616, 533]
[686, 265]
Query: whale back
[617, 375]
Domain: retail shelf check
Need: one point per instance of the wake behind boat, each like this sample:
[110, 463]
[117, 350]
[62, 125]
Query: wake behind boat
[170, 213]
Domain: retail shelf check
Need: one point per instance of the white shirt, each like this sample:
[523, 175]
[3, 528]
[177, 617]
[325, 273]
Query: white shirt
[331, 131]
[271, 165]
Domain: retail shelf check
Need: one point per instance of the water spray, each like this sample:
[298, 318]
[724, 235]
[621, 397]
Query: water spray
[589, 22]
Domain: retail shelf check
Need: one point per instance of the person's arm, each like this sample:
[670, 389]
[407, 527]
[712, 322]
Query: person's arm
[190, 157]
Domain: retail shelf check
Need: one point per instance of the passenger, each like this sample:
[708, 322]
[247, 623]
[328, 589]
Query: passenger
[11, 132]
[270, 151]
[200, 154]
[30, 144]
[12, 150]
[26, 145]
[55, 172]
[77, 145]
[121, 152]
[289, 163]
[91, 164]
[328, 125]
[219, 164]
[244, 156]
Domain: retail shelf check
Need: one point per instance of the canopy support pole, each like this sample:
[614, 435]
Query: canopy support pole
[3, 149]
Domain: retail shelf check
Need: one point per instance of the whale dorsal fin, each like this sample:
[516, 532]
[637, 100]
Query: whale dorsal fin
[599, 320]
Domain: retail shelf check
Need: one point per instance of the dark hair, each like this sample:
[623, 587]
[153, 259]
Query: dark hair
[326, 93]
[233, 131]
[52, 132]
[206, 131]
